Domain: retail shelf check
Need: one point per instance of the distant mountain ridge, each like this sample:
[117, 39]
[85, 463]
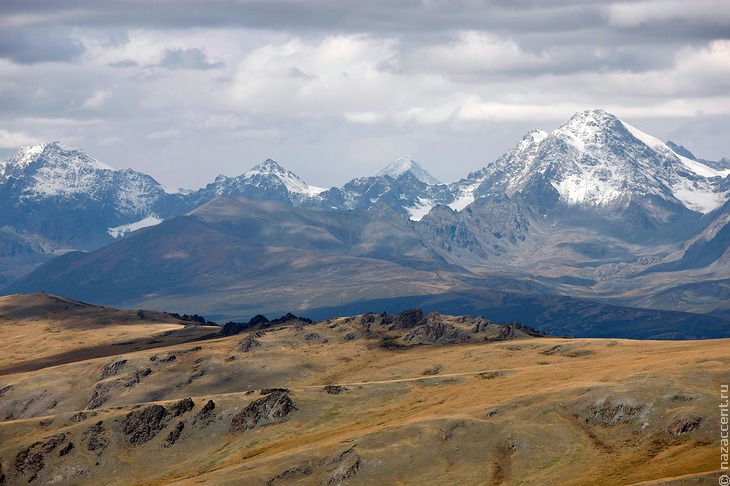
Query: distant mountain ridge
[595, 209]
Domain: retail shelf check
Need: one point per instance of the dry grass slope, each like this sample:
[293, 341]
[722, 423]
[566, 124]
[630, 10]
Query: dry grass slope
[371, 399]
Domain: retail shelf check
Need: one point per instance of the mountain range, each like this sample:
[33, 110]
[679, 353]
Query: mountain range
[595, 229]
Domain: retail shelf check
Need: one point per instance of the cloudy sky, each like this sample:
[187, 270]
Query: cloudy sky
[188, 90]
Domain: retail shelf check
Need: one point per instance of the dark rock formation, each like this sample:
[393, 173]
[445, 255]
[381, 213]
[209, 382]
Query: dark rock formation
[96, 442]
[136, 377]
[65, 450]
[99, 395]
[347, 464]
[407, 319]
[516, 330]
[81, 416]
[290, 474]
[683, 425]
[268, 391]
[143, 425]
[207, 408]
[435, 330]
[113, 368]
[249, 342]
[273, 408]
[174, 435]
[334, 389]
[53, 442]
[609, 414]
[29, 462]
[183, 406]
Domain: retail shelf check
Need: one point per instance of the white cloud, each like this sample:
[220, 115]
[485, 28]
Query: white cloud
[12, 140]
[97, 100]
[474, 53]
[164, 134]
[636, 14]
[364, 117]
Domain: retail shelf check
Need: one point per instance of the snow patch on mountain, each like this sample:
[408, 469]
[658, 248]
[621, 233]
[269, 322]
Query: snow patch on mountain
[123, 230]
[405, 164]
[421, 209]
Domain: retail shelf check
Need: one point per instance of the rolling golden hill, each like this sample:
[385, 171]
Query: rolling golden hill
[92, 395]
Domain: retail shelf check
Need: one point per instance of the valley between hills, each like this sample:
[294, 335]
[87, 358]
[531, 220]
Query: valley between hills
[97, 395]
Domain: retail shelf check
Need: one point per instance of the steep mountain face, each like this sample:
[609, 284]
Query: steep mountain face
[70, 200]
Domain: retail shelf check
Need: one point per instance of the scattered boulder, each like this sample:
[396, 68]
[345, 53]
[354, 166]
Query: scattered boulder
[273, 408]
[143, 425]
[334, 389]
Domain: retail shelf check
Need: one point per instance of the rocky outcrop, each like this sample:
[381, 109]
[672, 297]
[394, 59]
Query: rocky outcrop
[31, 460]
[684, 425]
[140, 426]
[183, 406]
[514, 330]
[113, 368]
[346, 465]
[435, 330]
[610, 413]
[174, 435]
[273, 408]
[96, 440]
[249, 342]
[407, 319]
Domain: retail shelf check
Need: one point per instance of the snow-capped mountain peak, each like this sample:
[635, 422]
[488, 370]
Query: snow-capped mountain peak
[270, 168]
[49, 155]
[607, 160]
[405, 164]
